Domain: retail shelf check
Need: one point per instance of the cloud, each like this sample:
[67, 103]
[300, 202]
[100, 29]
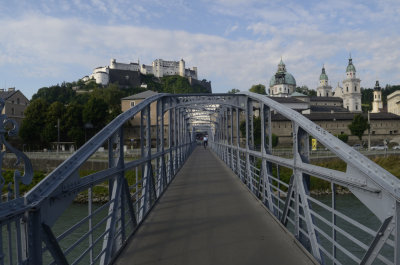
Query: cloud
[42, 45]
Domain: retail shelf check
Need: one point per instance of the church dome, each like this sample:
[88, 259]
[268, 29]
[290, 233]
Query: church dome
[350, 66]
[289, 79]
[323, 75]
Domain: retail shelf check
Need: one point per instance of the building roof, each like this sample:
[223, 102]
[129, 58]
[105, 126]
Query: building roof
[142, 95]
[342, 116]
[350, 66]
[323, 75]
[394, 94]
[284, 100]
[327, 109]
[298, 94]
[377, 87]
[289, 79]
[331, 99]
[7, 94]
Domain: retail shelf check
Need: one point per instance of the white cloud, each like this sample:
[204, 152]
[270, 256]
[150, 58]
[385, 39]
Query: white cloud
[52, 47]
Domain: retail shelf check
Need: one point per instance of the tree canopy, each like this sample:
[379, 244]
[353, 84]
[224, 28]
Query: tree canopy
[96, 105]
[358, 126]
[259, 89]
[233, 91]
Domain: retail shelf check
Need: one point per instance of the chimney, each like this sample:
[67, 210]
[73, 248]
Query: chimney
[11, 89]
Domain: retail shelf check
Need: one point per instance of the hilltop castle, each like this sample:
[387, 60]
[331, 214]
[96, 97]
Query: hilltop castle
[129, 71]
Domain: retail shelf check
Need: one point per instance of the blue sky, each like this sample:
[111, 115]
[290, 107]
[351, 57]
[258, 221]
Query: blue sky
[234, 43]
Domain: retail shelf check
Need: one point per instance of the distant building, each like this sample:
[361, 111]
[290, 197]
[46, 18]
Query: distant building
[128, 74]
[377, 104]
[383, 125]
[324, 89]
[282, 84]
[351, 90]
[393, 102]
[133, 131]
[15, 104]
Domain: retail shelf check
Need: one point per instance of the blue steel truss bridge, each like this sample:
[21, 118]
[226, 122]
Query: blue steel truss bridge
[180, 203]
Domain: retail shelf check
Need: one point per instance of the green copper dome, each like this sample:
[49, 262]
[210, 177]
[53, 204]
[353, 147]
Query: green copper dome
[323, 75]
[350, 66]
[289, 79]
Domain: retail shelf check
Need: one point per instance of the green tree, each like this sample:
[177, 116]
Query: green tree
[306, 91]
[259, 89]
[233, 91]
[34, 122]
[358, 126]
[54, 113]
[343, 137]
[95, 112]
[257, 132]
[74, 122]
[63, 93]
[112, 97]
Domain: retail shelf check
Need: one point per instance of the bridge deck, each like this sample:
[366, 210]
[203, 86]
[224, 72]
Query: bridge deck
[207, 216]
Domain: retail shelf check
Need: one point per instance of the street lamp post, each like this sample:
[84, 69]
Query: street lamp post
[58, 135]
[369, 133]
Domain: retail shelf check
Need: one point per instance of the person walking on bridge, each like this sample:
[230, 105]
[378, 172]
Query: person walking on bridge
[205, 141]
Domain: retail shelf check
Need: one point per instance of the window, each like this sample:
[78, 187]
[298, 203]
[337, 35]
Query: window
[347, 89]
[355, 88]
[356, 107]
[12, 110]
[132, 103]
[390, 132]
[17, 100]
[373, 132]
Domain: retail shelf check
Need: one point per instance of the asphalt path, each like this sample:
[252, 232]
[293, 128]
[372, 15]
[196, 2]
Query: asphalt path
[207, 216]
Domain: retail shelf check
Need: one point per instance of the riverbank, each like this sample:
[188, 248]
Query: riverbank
[318, 187]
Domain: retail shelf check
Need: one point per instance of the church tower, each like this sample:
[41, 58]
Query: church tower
[324, 90]
[377, 103]
[351, 89]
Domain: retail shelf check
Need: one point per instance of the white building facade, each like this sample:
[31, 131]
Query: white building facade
[393, 102]
[324, 89]
[351, 91]
[159, 68]
[377, 104]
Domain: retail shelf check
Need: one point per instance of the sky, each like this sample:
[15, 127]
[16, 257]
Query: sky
[234, 43]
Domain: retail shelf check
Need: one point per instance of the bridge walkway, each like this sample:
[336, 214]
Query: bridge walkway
[207, 216]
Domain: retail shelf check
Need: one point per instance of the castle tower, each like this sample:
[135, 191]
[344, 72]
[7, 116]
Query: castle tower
[351, 89]
[182, 68]
[377, 103]
[324, 90]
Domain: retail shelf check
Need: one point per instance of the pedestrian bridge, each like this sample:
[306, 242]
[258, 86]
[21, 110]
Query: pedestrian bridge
[178, 203]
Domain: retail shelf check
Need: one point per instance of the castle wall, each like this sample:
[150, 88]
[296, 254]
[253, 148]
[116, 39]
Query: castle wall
[125, 78]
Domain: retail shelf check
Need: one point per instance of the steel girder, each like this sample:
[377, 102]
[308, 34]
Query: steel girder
[376, 188]
[43, 205]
